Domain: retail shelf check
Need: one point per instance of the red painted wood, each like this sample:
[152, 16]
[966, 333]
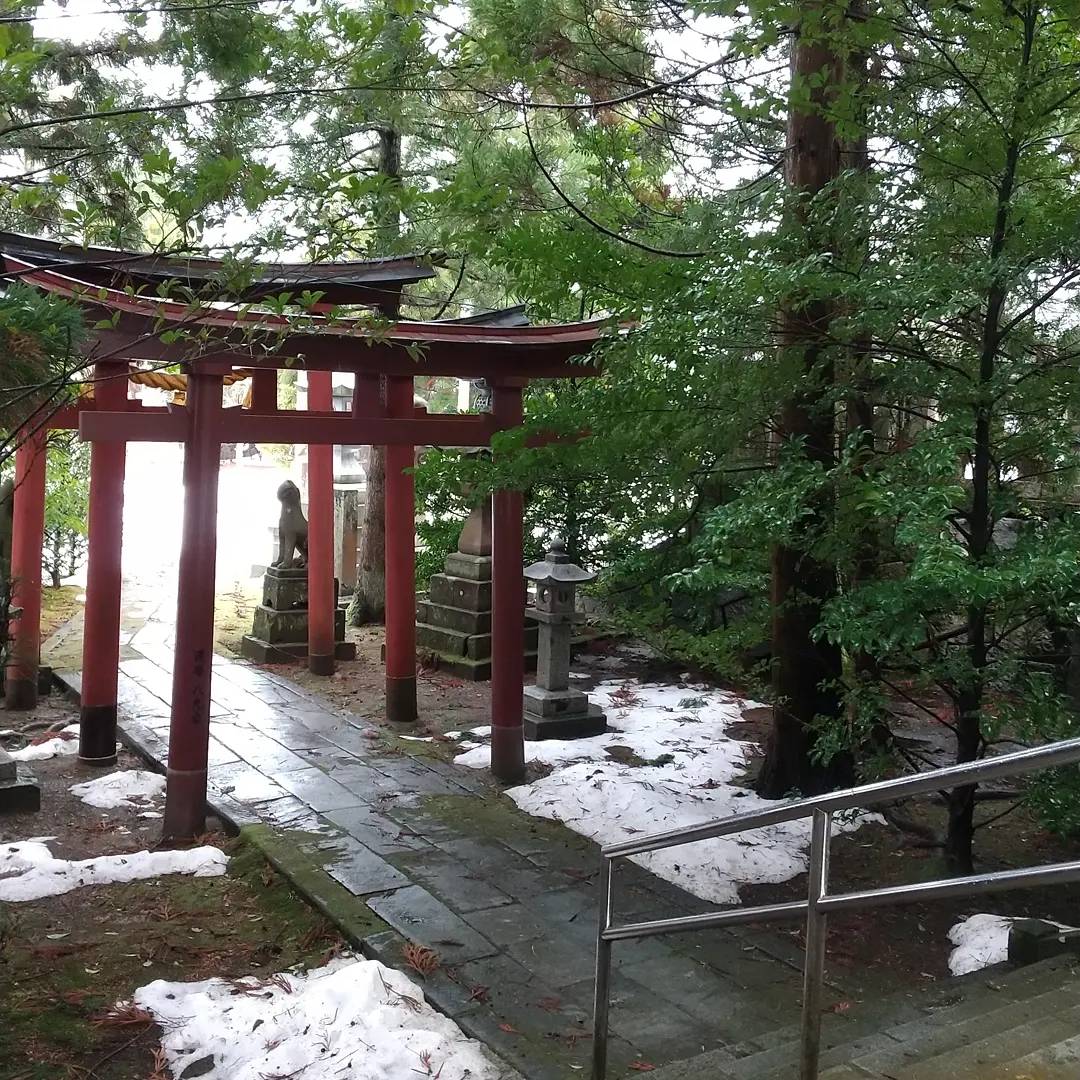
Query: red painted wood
[320, 562]
[189, 732]
[240, 425]
[27, 527]
[135, 426]
[367, 398]
[101, 642]
[400, 562]
[264, 391]
[405, 348]
[508, 613]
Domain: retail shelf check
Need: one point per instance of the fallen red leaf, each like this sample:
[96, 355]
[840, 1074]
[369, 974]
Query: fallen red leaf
[509, 1029]
[642, 1066]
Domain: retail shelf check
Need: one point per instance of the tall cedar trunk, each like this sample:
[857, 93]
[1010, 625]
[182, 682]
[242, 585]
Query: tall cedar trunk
[971, 695]
[860, 419]
[806, 672]
[368, 602]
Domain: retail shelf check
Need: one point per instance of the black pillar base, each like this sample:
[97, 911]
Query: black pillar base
[321, 665]
[185, 804]
[401, 699]
[20, 693]
[97, 734]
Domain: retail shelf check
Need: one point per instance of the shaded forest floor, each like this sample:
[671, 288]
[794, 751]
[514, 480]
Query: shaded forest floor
[66, 961]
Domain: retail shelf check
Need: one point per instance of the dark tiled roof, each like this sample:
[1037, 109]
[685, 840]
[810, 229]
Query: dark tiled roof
[363, 281]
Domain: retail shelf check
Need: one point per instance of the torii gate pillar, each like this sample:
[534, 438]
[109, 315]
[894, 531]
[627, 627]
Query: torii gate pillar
[508, 612]
[320, 557]
[101, 619]
[27, 528]
[400, 562]
[189, 730]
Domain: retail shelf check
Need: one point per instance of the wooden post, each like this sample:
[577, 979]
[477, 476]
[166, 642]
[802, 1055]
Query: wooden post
[320, 561]
[508, 613]
[28, 526]
[101, 619]
[400, 564]
[189, 732]
[264, 391]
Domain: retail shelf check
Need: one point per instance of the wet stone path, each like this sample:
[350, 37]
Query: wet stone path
[422, 853]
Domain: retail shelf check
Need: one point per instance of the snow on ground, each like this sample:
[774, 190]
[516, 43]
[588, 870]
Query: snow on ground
[352, 1018]
[28, 870]
[981, 940]
[128, 787]
[67, 742]
[690, 775]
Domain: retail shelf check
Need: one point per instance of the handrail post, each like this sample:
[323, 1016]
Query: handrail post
[601, 994]
[816, 933]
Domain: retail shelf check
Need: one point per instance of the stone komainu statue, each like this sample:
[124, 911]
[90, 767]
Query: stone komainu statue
[292, 528]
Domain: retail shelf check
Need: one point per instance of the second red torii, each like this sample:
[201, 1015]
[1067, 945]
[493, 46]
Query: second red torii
[210, 343]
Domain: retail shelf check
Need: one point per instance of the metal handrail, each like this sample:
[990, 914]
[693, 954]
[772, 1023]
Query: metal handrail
[819, 902]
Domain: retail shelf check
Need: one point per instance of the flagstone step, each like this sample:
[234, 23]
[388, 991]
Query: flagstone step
[1000, 1024]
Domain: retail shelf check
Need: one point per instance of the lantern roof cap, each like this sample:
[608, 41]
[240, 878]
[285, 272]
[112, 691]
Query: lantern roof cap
[557, 567]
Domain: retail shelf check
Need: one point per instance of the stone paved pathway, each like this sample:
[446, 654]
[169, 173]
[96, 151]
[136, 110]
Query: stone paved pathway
[409, 849]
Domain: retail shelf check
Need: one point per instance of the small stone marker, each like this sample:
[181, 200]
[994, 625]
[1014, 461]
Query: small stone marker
[552, 709]
[19, 790]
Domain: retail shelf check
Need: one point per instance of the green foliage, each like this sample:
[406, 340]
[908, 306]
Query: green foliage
[67, 500]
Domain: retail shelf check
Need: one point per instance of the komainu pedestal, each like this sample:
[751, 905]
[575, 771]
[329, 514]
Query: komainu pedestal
[279, 631]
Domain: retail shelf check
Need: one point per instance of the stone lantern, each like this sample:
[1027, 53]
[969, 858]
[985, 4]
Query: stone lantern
[552, 709]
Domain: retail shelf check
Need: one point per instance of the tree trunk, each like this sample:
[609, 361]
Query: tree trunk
[806, 672]
[368, 602]
[970, 698]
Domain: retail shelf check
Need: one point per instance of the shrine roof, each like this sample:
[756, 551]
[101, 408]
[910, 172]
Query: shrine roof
[507, 316]
[361, 281]
[136, 326]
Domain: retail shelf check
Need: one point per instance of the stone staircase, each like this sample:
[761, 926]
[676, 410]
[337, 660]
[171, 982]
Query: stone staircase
[1001, 1023]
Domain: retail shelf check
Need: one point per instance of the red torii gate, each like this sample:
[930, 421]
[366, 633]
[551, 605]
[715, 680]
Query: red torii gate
[134, 327]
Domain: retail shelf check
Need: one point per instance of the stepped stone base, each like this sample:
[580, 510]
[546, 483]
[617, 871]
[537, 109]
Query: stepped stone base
[580, 724]
[453, 622]
[19, 790]
[265, 652]
[279, 627]
[457, 643]
[472, 670]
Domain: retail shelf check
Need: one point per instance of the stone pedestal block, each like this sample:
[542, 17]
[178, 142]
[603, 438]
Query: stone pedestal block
[279, 630]
[460, 592]
[285, 590]
[473, 567]
[19, 790]
[560, 714]
[453, 623]
[569, 725]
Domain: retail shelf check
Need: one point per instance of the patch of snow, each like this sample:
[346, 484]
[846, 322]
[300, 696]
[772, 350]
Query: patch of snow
[691, 776]
[128, 787]
[453, 734]
[352, 1017]
[417, 738]
[28, 870]
[67, 742]
[980, 940]
[482, 731]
